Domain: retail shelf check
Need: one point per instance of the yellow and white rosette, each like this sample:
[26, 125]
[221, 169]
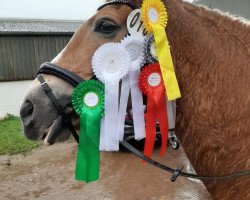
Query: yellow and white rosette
[134, 44]
[110, 63]
[154, 16]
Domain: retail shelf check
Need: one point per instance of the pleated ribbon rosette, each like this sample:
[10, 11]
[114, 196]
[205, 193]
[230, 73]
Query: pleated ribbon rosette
[151, 84]
[151, 56]
[111, 62]
[154, 16]
[88, 102]
[134, 44]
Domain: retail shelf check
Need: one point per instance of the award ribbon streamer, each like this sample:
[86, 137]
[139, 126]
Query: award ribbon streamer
[155, 19]
[110, 63]
[88, 102]
[171, 107]
[134, 44]
[151, 84]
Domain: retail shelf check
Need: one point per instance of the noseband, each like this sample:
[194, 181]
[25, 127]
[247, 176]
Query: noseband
[68, 76]
[74, 80]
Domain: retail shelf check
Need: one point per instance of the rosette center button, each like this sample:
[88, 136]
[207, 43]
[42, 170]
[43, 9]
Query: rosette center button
[135, 51]
[153, 15]
[91, 99]
[111, 65]
[154, 79]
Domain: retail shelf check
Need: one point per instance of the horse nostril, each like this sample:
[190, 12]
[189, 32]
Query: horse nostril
[26, 109]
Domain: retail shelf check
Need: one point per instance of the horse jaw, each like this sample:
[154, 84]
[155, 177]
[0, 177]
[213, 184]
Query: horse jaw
[38, 114]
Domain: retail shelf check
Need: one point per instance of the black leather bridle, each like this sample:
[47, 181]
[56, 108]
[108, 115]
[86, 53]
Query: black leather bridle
[71, 78]
[74, 80]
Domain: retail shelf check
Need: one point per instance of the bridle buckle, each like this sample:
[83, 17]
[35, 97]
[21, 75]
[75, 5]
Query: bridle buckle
[46, 87]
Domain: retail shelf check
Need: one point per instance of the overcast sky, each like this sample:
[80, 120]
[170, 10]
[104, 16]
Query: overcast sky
[49, 9]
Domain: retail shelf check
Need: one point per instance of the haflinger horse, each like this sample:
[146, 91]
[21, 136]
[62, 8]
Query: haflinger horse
[211, 55]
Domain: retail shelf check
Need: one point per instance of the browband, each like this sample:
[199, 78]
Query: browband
[124, 2]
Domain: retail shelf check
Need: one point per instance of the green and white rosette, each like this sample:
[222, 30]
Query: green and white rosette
[111, 63]
[134, 44]
[88, 102]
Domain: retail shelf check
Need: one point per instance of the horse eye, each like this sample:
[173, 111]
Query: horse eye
[105, 27]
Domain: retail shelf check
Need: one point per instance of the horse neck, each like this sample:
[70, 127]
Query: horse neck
[202, 40]
[211, 54]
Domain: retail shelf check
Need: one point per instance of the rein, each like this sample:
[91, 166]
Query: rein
[74, 80]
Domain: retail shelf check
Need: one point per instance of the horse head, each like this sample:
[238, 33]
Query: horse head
[39, 116]
[210, 52]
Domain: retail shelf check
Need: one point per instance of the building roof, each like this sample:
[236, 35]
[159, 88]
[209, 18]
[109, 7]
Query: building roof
[38, 27]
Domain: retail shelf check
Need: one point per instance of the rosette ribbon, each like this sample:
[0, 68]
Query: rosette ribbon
[171, 107]
[154, 16]
[110, 63]
[151, 84]
[134, 45]
[88, 102]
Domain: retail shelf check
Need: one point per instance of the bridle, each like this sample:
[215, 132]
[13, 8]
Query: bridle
[74, 80]
[71, 78]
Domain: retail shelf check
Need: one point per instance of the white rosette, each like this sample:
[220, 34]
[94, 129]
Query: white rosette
[171, 106]
[134, 44]
[111, 63]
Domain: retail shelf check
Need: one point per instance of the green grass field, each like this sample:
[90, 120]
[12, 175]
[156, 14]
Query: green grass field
[12, 140]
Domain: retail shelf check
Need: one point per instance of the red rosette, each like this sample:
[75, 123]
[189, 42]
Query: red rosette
[144, 76]
[151, 84]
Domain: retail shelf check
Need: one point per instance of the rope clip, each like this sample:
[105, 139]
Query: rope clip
[176, 173]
